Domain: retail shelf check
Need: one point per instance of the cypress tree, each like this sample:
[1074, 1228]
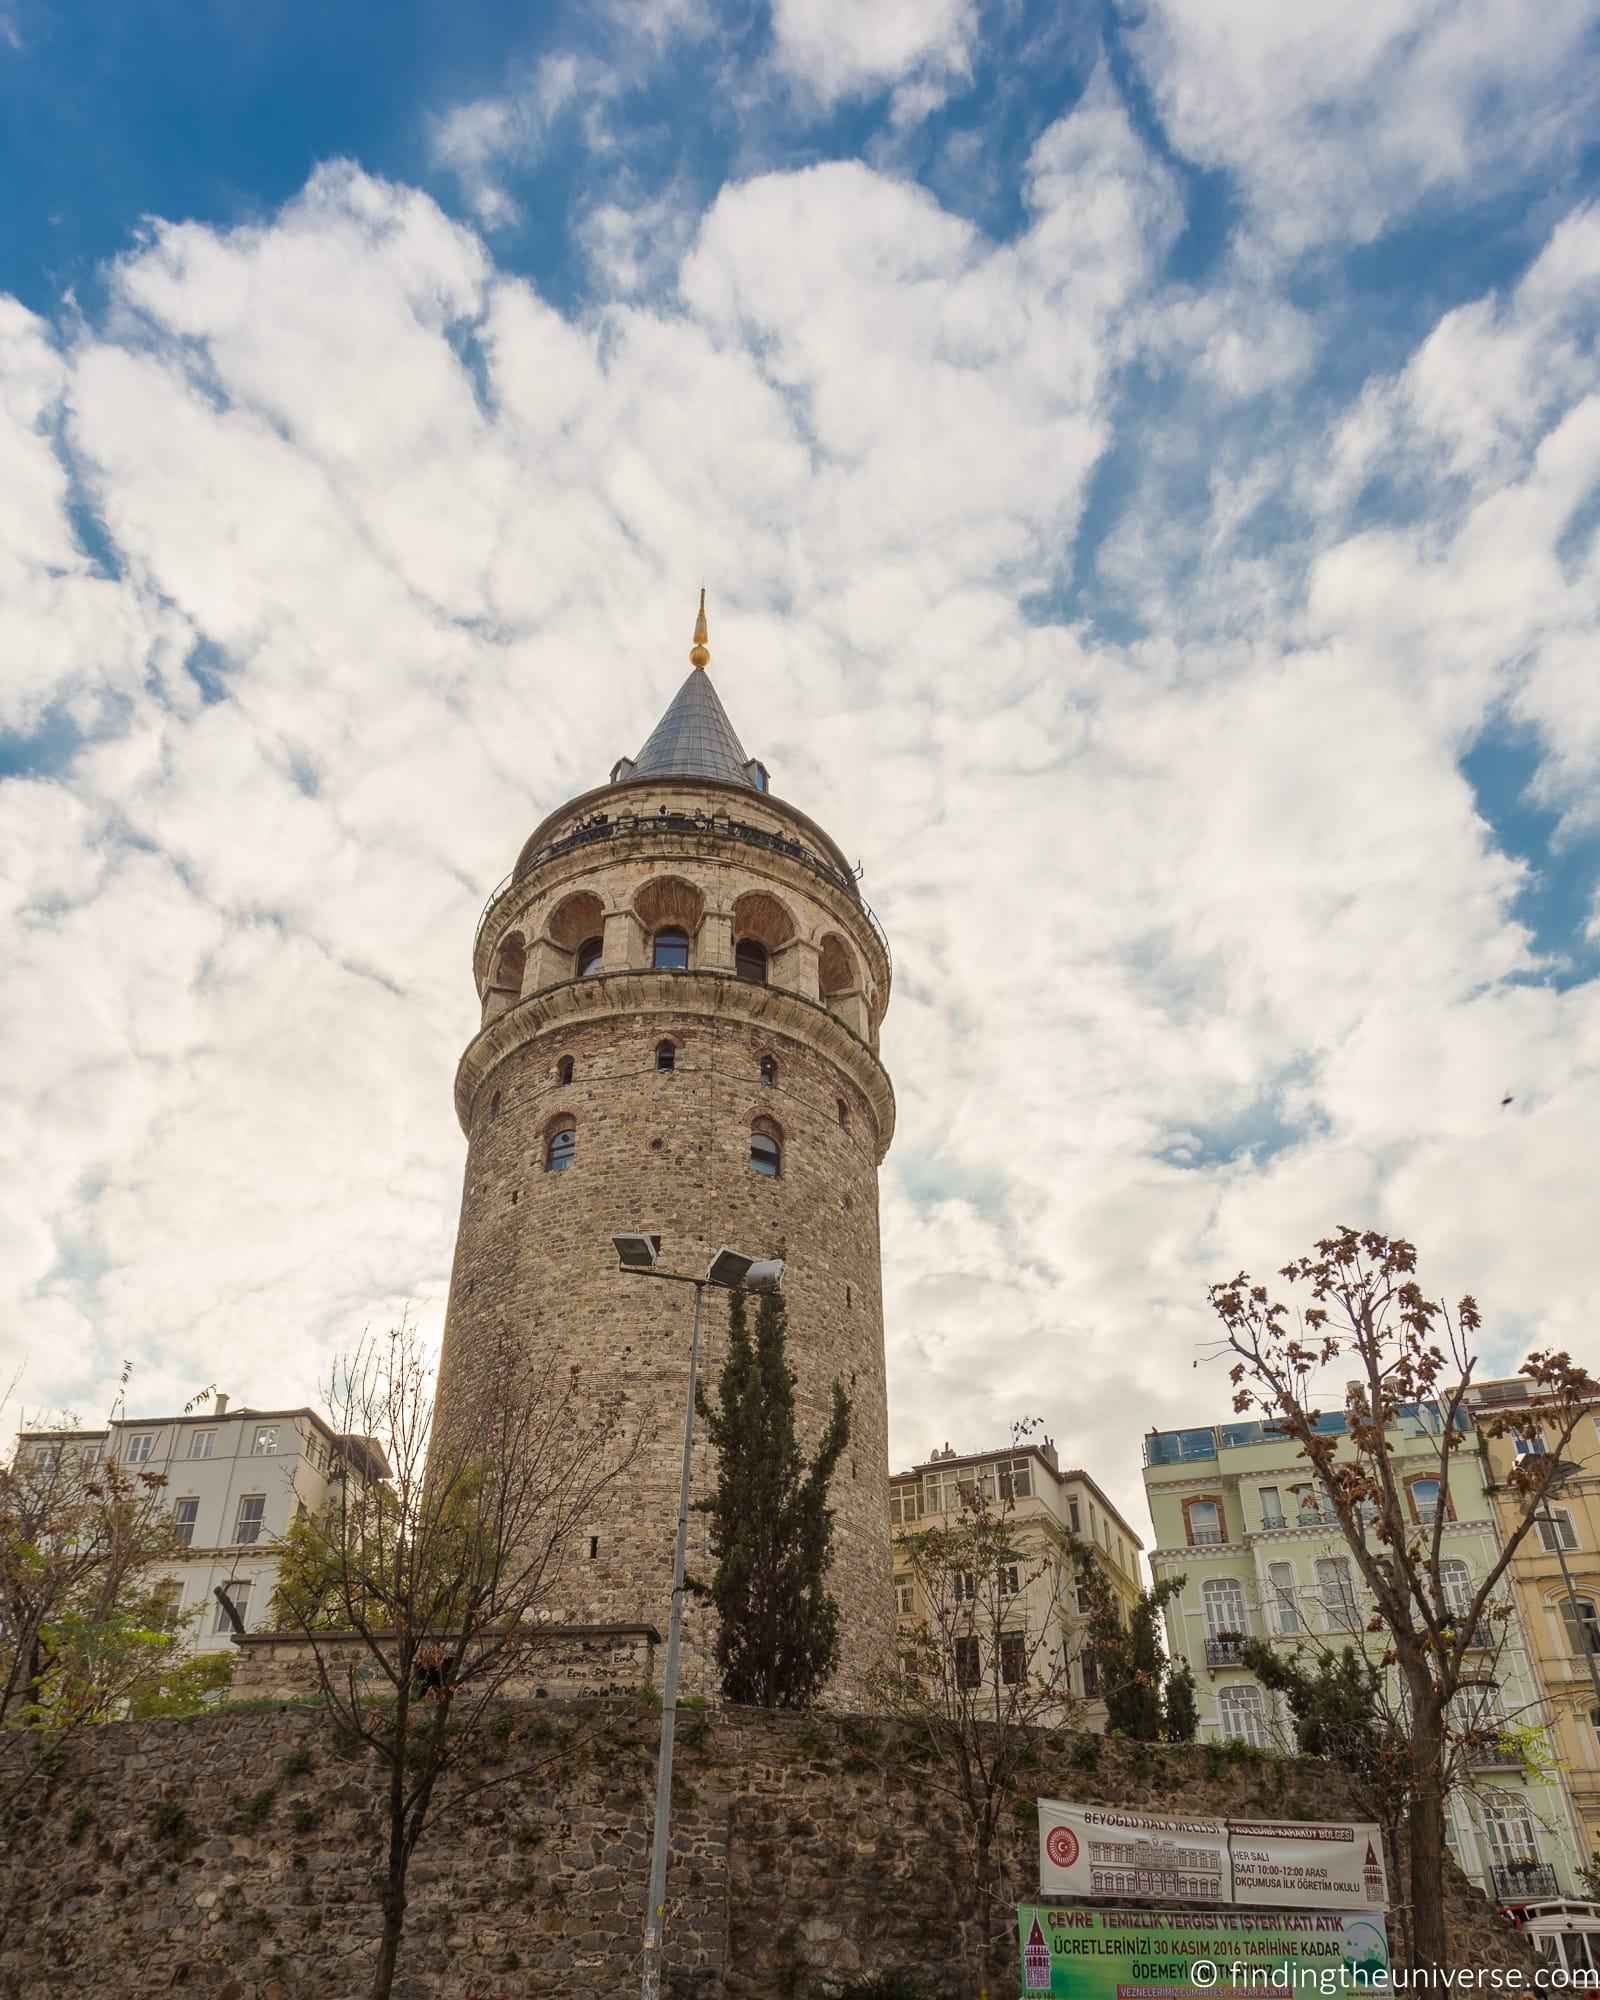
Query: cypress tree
[771, 1525]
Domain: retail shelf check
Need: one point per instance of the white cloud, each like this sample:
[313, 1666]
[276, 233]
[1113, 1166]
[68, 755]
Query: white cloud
[837, 49]
[1337, 120]
[1200, 942]
[480, 141]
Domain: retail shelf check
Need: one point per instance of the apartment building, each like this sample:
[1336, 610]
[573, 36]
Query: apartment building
[1238, 1515]
[235, 1479]
[1049, 1509]
[1555, 1580]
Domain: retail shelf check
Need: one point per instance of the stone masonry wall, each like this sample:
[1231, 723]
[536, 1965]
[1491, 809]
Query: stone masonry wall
[235, 1857]
[667, 1153]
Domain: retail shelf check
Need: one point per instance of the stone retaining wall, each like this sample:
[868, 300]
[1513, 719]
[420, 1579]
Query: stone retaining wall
[235, 1856]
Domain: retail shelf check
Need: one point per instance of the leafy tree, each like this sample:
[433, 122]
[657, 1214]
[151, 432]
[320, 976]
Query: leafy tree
[1401, 1352]
[421, 1588]
[1182, 1706]
[983, 1670]
[86, 1627]
[1146, 1697]
[771, 1525]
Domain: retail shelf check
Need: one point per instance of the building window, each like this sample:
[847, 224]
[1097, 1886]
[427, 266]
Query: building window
[766, 1148]
[1010, 1579]
[666, 1056]
[1529, 1447]
[1583, 1629]
[1072, 1515]
[168, 1603]
[905, 1599]
[1308, 1508]
[247, 1528]
[670, 950]
[561, 1147]
[964, 1586]
[238, 1595]
[1223, 1599]
[968, 1663]
[1205, 1522]
[1240, 1715]
[184, 1516]
[1455, 1586]
[1013, 1658]
[1339, 1609]
[1285, 1607]
[139, 1448]
[750, 960]
[1424, 1500]
[1090, 1668]
[844, 1112]
[591, 956]
[905, 1504]
[494, 1107]
[266, 1441]
[1557, 1530]
[1271, 1508]
[769, 1071]
[202, 1444]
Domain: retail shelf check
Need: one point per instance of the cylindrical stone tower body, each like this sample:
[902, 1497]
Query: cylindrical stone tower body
[682, 990]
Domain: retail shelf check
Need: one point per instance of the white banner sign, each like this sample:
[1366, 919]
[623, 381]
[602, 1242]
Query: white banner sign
[1318, 1866]
[1275, 1864]
[1092, 1851]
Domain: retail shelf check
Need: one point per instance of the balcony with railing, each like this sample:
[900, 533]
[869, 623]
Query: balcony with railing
[1206, 1538]
[1525, 1881]
[1225, 1651]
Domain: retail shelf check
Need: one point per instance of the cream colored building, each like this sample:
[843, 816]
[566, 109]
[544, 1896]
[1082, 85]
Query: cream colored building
[235, 1479]
[1563, 1633]
[1049, 1509]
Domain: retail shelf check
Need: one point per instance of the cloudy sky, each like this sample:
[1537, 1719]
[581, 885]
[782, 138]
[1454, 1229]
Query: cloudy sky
[1145, 464]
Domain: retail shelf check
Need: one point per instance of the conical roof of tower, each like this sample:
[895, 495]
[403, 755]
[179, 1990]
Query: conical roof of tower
[694, 739]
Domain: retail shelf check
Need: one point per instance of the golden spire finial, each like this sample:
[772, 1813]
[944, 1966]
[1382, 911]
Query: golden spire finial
[700, 652]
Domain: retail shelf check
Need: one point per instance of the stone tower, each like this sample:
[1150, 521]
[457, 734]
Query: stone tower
[682, 990]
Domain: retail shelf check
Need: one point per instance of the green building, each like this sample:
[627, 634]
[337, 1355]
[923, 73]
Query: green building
[1237, 1514]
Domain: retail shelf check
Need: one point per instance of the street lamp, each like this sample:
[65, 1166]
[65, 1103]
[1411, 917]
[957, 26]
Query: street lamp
[1560, 1471]
[636, 1255]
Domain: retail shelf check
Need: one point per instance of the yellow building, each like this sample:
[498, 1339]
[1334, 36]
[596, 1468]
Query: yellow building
[1048, 1509]
[1562, 1625]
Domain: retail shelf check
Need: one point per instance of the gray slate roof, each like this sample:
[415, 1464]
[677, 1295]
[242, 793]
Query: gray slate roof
[694, 739]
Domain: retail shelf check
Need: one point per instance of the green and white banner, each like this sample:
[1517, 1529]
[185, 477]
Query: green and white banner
[1151, 1954]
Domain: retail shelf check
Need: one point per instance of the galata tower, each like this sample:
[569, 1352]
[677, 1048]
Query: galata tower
[682, 990]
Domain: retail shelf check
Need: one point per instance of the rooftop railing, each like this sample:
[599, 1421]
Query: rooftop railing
[608, 826]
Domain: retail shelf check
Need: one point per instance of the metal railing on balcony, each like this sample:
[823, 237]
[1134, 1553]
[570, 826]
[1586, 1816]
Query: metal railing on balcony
[1224, 1652]
[1499, 1756]
[1201, 1538]
[1525, 1881]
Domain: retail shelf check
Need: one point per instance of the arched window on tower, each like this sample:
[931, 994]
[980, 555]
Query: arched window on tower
[666, 1055]
[494, 1107]
[561, 1146]
[591, 956]
[750, 960]
[769, 1070]
[564, 1070]
[844, 1111]
[670, 950]
[766, 1148]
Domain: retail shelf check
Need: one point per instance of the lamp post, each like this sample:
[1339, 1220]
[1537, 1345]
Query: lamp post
[728, 1269]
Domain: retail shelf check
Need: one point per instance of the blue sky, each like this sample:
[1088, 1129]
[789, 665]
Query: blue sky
[1144, 463]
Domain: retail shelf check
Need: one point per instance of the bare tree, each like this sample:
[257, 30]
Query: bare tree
[982, 1669]
[442, 1559]
[1403, 1352]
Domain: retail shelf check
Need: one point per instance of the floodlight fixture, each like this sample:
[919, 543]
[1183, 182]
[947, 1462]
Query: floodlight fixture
[765, 1277]
[728, 1267]
[636, 1253]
